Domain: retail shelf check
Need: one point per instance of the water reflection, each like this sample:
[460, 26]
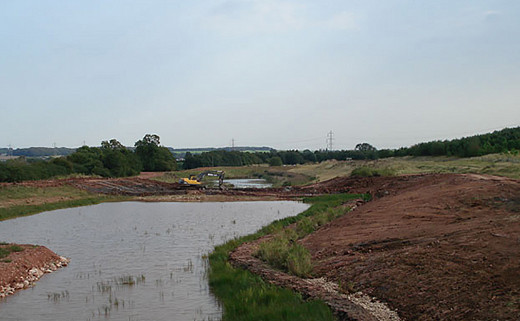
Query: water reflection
[132, 261]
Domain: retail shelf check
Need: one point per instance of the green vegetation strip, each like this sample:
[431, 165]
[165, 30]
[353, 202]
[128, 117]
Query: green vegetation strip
[246, 296]
[5, 251]
[25, 210]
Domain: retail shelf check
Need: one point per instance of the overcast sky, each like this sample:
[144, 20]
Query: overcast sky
[266, 73]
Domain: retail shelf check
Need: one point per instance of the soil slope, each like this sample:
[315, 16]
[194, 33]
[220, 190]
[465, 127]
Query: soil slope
[19, 270]
[433, 247]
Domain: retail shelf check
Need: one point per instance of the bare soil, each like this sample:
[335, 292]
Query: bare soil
[433, 247]
[20, 270]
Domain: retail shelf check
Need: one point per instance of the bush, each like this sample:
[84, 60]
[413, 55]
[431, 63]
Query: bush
[275, 251]
[275, 161]
[299, 261]
[304, 226]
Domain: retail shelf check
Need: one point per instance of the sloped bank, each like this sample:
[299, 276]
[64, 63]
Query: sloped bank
[432, 247]
[271, 294]
[23, 267]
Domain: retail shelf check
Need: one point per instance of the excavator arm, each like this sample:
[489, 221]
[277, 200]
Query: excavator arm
[197, 180]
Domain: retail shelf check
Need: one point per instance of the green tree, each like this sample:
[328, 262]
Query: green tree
[154, 157]
[368, 151]
[119, 160]
[275, 161]
[365, 147]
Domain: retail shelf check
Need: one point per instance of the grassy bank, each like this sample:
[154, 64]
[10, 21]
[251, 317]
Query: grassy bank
[245, 296]
[506, 165]
[16, 201]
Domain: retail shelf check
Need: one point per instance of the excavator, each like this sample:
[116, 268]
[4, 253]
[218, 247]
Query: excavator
[196, 180]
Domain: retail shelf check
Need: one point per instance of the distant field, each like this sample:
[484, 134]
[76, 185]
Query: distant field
[495, 164]
[278, 176]
[20, 200]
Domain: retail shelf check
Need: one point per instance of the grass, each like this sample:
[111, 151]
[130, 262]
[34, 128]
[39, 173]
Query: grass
[5, 251]
[246, 296]
[506, 165]
[284, 253]
[16, 201]
[17, 192]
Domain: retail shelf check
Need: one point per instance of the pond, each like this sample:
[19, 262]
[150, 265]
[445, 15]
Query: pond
[132, 261]
[248, 183]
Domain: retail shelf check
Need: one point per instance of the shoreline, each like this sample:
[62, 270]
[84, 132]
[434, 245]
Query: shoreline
[22, 269]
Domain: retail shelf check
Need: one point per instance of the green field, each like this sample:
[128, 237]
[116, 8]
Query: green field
[19, 200]
[496, 164]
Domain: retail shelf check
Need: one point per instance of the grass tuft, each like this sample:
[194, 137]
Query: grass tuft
[5, 251]
[246, 296]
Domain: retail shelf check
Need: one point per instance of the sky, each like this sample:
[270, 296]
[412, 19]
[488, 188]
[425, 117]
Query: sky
[260, 72]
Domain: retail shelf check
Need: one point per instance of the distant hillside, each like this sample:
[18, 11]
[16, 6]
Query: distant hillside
[177, 152]
[181, 152]
[39, 151]
[499, 141]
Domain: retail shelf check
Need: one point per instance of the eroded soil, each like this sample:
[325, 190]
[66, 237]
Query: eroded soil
[433, 247]
[19, 270]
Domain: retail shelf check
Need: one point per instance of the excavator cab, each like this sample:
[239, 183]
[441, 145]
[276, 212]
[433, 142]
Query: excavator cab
[196, 180]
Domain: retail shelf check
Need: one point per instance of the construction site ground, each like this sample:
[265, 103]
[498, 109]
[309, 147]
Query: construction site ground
[433, 247]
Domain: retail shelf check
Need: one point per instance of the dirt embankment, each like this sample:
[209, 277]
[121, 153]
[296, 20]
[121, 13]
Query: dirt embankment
[20, 269]
[433, 247]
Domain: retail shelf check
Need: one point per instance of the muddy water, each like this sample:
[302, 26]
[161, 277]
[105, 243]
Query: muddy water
[248, 183]
[131, 261]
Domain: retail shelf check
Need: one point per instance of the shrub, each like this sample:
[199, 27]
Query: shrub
[304, 226]
[275, 251]
[299, 261]
[275, 161]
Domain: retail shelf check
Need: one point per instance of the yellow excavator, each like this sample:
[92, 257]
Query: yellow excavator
[196, 180]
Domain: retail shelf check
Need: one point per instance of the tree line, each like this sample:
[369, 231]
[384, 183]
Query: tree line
[501, 141]
[112, 159]
[497, 142]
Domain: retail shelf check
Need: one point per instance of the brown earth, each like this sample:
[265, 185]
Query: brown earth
[20, 270]
[433, 247]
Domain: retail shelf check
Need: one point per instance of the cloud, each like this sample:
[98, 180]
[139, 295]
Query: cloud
[343, 21]
[256, 16]
[492, 15]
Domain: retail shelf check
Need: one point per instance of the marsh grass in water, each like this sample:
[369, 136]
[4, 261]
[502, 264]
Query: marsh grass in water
[58, 296]
[246, 296]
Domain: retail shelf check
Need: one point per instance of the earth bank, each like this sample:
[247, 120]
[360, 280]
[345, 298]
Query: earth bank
[22, 268]
[432, 247]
